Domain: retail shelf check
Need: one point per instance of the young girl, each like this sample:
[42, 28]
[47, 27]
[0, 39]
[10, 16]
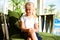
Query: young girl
[29, 23]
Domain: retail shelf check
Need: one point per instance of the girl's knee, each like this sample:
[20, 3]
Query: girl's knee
[29, 38]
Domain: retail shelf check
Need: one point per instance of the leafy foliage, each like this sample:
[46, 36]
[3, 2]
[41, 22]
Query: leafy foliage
[51, 9]
[18, 5]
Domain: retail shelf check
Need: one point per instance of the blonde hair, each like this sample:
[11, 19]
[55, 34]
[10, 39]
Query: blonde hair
[31, 3]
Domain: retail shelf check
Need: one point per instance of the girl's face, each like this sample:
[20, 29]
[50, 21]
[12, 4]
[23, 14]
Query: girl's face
[29, 9]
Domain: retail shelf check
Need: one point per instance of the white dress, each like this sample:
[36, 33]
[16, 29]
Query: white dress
[29, 22]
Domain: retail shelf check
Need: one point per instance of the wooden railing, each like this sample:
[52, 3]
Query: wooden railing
[47, 22]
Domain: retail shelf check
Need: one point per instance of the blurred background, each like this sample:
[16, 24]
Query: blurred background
[12, 10]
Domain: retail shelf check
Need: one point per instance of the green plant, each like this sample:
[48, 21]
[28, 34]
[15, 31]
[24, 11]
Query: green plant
[18, 5]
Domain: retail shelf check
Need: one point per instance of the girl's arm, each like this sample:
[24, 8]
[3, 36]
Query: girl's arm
[36, 27]
[23, 27]
[36, 24]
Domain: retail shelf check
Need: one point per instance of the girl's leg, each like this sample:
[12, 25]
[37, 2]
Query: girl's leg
[33, 36]
[29, 38]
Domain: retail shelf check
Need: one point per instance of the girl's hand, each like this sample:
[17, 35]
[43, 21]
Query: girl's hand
[31, 30]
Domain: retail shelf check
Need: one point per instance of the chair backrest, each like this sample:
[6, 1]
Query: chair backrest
[18, 23]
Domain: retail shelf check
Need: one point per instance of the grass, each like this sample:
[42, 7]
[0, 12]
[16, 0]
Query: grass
[57, 37]
[45, 36]
[48, 36]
